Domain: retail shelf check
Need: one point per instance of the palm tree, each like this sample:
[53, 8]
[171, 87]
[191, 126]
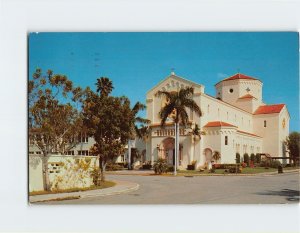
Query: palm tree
[137, 131]
[104, 86]
[196, 134]
[216, 155]
[177, 102]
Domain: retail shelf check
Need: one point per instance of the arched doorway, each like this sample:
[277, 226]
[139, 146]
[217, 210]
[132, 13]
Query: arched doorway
[168, 150]
[208, 157]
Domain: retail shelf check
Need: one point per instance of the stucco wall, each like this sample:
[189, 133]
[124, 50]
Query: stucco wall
[216, 110]
[60, 173]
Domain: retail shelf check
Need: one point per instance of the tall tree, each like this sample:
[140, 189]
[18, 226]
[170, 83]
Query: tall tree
[138, 129]
[108, 120]
[104, 86]
[293, 144]
[176, 105]
[53, 115]
[196, 135]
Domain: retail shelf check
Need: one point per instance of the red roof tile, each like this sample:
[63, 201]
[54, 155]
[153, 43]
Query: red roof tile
[247, 96]
[218, 124]
[269, 109]
[238, 76]
[243, 132]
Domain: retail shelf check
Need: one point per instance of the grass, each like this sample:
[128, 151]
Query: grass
[106, 184]
[246, 170]
[62, 199]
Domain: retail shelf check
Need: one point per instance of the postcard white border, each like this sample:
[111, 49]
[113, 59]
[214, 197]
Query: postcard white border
[17, 18]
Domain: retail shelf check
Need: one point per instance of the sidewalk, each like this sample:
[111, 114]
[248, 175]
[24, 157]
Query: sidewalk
[120, 187]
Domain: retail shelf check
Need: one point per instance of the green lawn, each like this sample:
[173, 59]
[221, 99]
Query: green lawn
[106, 184]
[246, 170]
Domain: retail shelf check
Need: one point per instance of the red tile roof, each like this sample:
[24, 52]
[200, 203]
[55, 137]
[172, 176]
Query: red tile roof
[238, 76]
[269, 109]
[251, 134]
[218, 124]
[247, 96]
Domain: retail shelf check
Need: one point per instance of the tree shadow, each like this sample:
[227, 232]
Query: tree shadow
[290, 194]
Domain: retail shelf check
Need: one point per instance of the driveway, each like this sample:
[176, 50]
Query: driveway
[259, 189]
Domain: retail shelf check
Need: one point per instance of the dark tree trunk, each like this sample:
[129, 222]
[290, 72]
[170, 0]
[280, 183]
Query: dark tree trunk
[102, 169]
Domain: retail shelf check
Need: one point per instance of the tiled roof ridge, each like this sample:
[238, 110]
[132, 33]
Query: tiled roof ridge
[269, 109]
[238, 76]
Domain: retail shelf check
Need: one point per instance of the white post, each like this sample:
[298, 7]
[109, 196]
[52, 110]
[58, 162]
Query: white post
[175, 155]
[129, 155]
[176, 148]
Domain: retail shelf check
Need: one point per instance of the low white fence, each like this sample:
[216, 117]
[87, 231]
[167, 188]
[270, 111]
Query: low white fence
[64, 171]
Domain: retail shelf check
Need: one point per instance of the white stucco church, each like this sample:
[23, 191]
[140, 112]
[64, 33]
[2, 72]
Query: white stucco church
[236, 120]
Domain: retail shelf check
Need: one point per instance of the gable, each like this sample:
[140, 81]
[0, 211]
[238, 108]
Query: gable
[173, 83]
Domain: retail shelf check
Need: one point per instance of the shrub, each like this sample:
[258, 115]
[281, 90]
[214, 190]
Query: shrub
[257, 158]
[246, 159]
[216, 155]
[252, 157]
[275, 164]
[113, 167]
[95, 175]
[243, 165]
[238, 157]
[217, 166]
[265, 163]
[235, 169]
[170, 169]
[160, 166]
[224, 165]
[192, 165]
[147, 166]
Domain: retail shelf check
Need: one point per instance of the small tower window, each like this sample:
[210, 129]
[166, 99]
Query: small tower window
[226, 140]
[265, 123]
[230, 90]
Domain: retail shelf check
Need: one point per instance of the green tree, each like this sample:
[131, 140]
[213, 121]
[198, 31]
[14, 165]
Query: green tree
[104, 86]
[293, 144]
[246, 159]
[53, 115]
[109, 121]
[237, 157]
[177, 103]
[196, 135]
[216, 155]
[138, 129]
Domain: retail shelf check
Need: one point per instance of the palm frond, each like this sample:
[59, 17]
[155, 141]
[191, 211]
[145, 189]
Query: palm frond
[137, 107]
[182, 114]
[165, 112]
[190, 103]
[166, 94]
[142, 120]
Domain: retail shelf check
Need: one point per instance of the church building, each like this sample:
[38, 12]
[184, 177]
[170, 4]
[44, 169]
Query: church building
[235, 120]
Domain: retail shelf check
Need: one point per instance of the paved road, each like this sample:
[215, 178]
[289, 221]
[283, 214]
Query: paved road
[262, 189]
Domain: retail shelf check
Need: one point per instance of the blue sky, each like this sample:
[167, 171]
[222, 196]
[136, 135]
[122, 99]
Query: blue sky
[135, 62]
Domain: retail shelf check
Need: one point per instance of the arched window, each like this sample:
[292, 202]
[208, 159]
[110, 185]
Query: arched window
[265, 123]
[226, 140]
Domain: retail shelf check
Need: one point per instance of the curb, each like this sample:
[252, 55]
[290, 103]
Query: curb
[86, 194]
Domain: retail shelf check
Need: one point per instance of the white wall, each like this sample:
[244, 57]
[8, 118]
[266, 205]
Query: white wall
[221, 111]
[59, 172]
